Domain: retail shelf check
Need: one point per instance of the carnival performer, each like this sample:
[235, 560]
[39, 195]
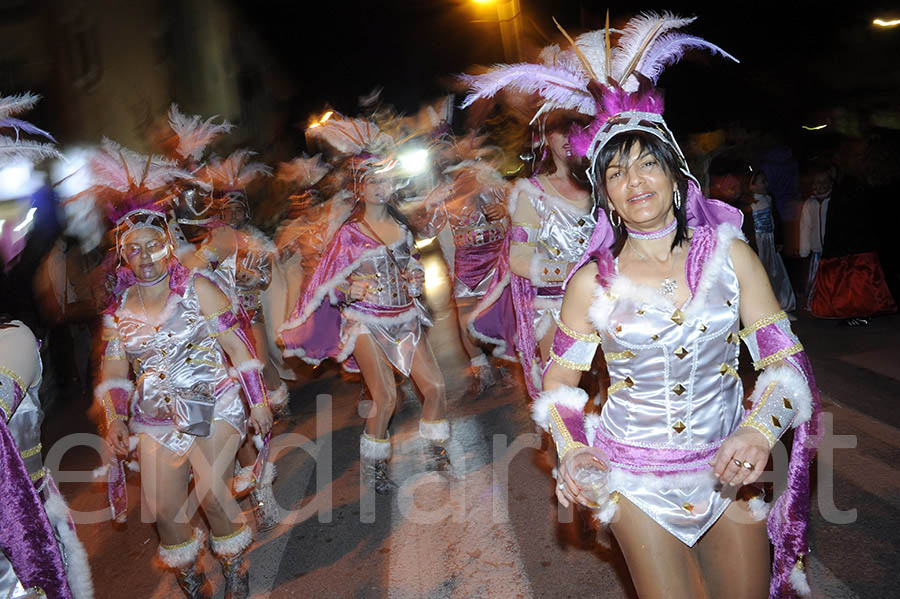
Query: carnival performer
[362, 304]
[764, 228]
[40, 554]
[471, 202]
[212, 207]
[176, 331]
[553, 217]
[669, 460]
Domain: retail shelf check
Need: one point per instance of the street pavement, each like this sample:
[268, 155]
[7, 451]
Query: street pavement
[492, 528]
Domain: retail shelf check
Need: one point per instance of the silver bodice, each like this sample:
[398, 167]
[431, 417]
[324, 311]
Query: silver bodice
[387, 285]
[172, 354]
[673, 386]
[674, 369]
[564, 231]
[25, 422]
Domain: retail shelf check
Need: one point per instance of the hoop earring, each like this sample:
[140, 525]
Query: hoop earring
[677, 199]
[611, 221]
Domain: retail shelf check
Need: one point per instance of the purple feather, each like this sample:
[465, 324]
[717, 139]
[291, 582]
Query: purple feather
[670, 48]
[20, 125]
[554, 84]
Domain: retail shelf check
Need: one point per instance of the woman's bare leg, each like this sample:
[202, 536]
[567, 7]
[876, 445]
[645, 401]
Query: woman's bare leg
[164, 486]
[661, 566]
[212, 459]
[426, 374]
[734, 555]
[378, 376]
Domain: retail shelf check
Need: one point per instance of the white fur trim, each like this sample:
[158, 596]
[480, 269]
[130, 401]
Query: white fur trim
[231, 546]
[523, 185]
[110, 384]
[601, 308]
[133, 465]
[605, 514]
[435, 431]
[799, 582]
[100, 471]
[269, 473]
[78, 569]
[184, 556]
[569, 397]
[248, 365]
[257, 442]
[109, 322]
[133, 442]
[243, 479]
[489, 299]
[537, 376]
[759, 509]
[790, 383]
[278, 397]
[591, 424]
[620, 480]
[350, 313]
[712, 269]
[374, 449]
[479, 361]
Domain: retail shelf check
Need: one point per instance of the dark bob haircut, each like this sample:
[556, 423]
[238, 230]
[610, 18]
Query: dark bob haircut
[622, 144]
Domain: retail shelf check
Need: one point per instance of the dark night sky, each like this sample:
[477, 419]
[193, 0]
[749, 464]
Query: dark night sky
[794, 60]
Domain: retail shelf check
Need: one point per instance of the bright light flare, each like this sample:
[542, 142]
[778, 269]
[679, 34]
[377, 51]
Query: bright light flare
[415, 162]
[28, 218]
[423, 243]
[484, 1]
[14, 179]
[434, 277]
[326, 116]
[816, 128]
[886, 23]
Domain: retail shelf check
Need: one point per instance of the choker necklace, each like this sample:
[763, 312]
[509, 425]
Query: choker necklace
[153, 282]
[654, 234]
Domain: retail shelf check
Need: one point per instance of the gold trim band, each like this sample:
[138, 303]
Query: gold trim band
[572, 334]
[778, 356]
[568, 363]
[762, 322]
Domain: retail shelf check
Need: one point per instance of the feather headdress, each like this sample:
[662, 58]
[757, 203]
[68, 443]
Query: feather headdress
[342, 137]
[194, 134]
[302, 172]
[133, 187]
[235, 172]
[15, 147]
[598, 78]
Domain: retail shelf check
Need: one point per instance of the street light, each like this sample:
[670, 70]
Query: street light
[886, 23]
[508, 13]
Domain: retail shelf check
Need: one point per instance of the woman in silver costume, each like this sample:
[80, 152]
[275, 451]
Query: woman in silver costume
[176, 332]
[552, 217]
[362, 307]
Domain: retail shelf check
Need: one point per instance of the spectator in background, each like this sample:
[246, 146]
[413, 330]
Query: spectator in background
[763, 218]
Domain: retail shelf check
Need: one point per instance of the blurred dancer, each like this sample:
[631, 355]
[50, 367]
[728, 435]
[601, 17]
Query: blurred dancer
[472, 202]
[177, 332]
[361, 306]
[40, 554]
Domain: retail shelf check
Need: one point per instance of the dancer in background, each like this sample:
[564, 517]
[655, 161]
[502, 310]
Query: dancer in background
[40, 554]
[362, 304]
[472, 202]
[553, 217]
[177, 333]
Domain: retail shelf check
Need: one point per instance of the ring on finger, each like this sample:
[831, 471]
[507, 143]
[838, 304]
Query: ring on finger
[737, 462]
[561, 486]
[747, 465]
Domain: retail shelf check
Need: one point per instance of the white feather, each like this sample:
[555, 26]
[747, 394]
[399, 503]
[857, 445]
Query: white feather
[195, 134]
[632, 41]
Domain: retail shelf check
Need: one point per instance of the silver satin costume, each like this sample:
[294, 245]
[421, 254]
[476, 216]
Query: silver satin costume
[388, 313]
[25, 427]
[562, 237]
[673, 384]
[176, 352]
